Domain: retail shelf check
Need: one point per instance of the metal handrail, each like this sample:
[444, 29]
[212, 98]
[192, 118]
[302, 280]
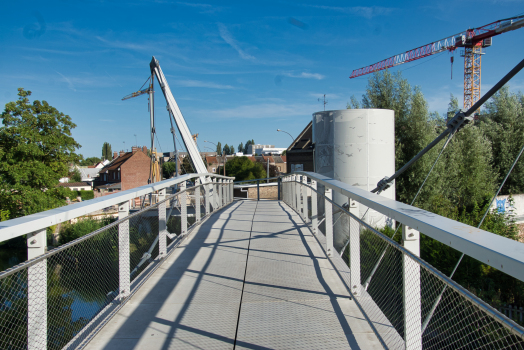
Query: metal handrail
[496, 251]
[20, 226]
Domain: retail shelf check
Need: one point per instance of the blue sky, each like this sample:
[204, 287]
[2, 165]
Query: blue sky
[238, 70]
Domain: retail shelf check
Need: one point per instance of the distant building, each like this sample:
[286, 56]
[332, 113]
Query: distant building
[264, 150]
[76, 186]
[127, 170]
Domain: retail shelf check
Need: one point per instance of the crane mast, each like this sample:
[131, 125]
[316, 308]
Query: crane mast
[472, 40]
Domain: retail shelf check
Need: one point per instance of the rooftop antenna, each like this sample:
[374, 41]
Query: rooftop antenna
[324, 102]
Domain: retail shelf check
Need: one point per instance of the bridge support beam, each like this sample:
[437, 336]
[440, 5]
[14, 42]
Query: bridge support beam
[124, 264]
[183, 209]
[412, 299]
[37, 292]
[354, 247]
[329, 221]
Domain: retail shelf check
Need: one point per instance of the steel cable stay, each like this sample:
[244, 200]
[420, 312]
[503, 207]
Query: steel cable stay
[435, 304]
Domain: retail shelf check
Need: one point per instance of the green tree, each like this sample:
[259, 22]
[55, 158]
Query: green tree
[106, 151]
[90, 161]
[241, 147]
[242, 168]
[503, 123]
[219, 148]
[226, 149]
[75, 175]
[36, 149]
[168, 169]
[231, 149]
[186, 167]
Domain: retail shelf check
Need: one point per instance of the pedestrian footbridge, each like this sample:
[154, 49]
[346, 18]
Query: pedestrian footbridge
[301, 272]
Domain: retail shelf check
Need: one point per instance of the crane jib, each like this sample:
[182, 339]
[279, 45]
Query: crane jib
[469, 37]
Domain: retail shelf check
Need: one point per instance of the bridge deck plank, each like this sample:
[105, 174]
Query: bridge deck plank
[252, 273]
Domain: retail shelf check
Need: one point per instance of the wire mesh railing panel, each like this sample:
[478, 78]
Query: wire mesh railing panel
[47, 302]
[81, 280]
[143, 240]
[408, 302]
[13, 311]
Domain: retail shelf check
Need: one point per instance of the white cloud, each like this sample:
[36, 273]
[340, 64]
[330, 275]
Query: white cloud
[305, 75]
[204, 84]
[228, 38]
[362, 11]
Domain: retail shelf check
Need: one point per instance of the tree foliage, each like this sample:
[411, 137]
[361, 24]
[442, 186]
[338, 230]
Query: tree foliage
[503, 123]
[464, 174]
[219, 148]
[75, 175]
[106, 151]
[241, 147]
[90, 161]
[168, 169]
[36, 148]
[242, 168]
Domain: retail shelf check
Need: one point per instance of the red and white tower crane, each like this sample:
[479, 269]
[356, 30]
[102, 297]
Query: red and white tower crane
[472, 40]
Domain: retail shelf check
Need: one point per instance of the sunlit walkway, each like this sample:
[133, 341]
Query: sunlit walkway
[251, 277]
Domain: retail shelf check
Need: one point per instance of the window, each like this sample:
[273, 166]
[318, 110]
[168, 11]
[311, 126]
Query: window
[214, 170]
[279, 169]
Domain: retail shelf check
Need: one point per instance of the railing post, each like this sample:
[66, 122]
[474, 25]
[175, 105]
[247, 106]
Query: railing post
[207, 189]
[215, 194]
[354, 247]
[183, 209]
[197, 200]
[329, 221]
[223, 192]
[162, 225]
[231, 191]
[37, 292]
[219, 192]
[314, 209]
[303, 191]
[258, 190]
[297, 193]
[412, 299]
[124, 264]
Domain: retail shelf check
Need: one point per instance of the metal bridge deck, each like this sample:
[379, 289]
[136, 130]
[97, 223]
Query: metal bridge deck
[250, 277]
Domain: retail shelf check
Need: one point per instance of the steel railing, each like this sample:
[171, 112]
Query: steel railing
[61, 298]
[408, 303]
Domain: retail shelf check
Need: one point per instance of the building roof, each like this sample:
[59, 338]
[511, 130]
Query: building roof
[114, 186]
[271, 160]
[304, 139]
[74, 184]
[279, 159]
[89, 173]
[117, 162]
[211, 160]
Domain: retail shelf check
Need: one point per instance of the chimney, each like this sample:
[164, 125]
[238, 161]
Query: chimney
[115, 155]
[122, 153]
[134, 149]
[144, 149]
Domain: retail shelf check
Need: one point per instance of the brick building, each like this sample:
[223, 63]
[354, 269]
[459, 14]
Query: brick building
[129, 169]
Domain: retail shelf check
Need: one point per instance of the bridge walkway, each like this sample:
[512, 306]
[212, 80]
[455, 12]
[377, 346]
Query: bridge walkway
[250, 277]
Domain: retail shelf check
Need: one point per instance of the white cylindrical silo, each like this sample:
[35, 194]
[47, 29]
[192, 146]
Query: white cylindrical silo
[357, 147]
